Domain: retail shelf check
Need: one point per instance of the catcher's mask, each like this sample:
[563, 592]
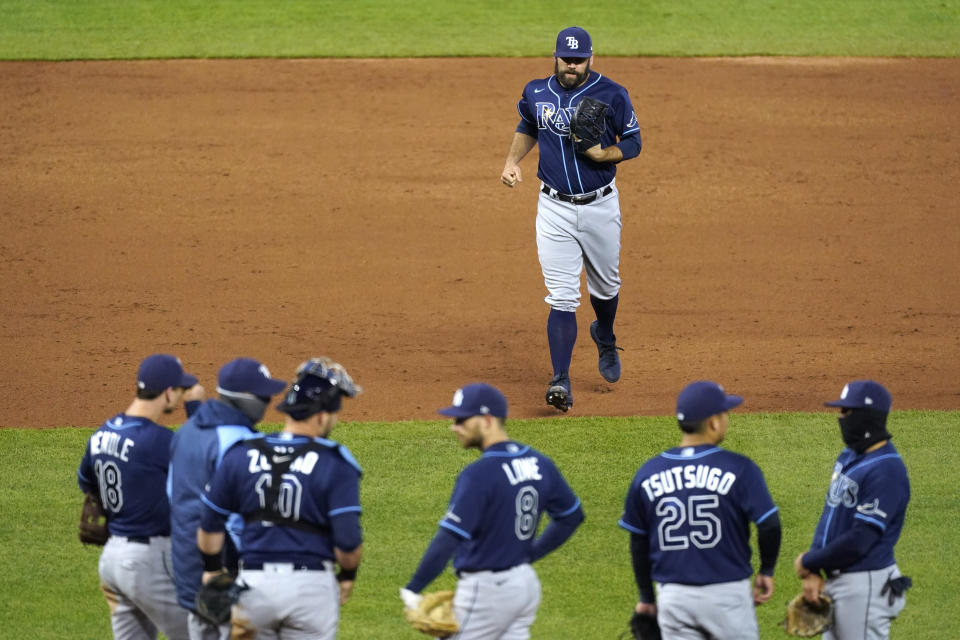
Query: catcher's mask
[320, 386]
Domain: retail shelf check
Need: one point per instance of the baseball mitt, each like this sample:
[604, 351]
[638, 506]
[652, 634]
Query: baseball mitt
[808, 619]
[588, 124]
[216, 598]
[93, 521]
[644, 627]
[434, 615]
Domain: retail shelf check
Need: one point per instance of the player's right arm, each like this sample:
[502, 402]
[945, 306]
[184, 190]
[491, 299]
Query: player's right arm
[520, 146]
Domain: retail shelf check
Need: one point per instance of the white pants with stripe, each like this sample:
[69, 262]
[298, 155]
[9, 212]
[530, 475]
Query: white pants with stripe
[861, 612]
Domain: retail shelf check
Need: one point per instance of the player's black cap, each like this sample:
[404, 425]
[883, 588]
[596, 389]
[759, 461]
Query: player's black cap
[702, 399]
[162, 371]
[477, 399]
[573, 42]
[863, 394]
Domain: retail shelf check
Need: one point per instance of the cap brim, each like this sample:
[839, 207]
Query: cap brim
[572, 55]
[269, 387]
[188, 380]
[455, 412]
[842, 403]
[732, 402]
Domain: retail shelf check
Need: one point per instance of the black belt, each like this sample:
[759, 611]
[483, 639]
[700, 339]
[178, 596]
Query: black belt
[312, 565]
[462, 571]
[582, 199]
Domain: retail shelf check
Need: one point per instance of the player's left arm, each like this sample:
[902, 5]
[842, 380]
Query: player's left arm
[626, 129]
[882, 497]
[565, 511]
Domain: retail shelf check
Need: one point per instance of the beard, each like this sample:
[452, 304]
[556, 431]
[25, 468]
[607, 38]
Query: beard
[569, 81]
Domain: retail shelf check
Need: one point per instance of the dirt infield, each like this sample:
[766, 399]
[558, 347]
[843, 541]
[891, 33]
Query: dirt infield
[790, 224]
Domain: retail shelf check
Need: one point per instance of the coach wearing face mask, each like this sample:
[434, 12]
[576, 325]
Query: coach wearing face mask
[244, 389]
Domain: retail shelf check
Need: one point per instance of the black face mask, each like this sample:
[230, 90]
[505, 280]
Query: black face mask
[862, 428]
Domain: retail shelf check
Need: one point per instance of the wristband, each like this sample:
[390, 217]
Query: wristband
[212, 561]
[346, 575]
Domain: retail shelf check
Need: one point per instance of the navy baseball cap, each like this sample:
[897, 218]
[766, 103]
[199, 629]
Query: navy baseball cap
[573, 42]
[700, 400]
[246, 375]
[863, 394]
[162, 371]
[476, 400]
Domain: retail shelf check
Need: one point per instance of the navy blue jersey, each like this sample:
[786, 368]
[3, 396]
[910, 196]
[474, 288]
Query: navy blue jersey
[497, 503]
[126, 465]
[872, 488]
[321, 485]
[695, 504]
[545, 111]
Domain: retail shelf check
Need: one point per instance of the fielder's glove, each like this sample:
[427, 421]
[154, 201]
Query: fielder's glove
[93, 521]
[808, 619]
[433, 615]
[216, 598]
[644, 627]
[588, 124]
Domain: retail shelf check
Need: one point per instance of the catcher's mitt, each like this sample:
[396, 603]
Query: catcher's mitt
[93, 521]
[588, 124]
[217, 596]
[808, 619]
[434, 615]
[644, 627]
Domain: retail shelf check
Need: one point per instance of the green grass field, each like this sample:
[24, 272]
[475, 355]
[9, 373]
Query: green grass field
[60, 29]
[50, 579]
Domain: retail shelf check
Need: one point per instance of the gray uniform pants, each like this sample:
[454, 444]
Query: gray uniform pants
[570, 237]
[860, 611]
[137, 580]
[497, 605]
[722, 611]
[287, 603]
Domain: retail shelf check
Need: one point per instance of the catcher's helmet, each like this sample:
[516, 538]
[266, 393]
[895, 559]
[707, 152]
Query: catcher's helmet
[320, 385]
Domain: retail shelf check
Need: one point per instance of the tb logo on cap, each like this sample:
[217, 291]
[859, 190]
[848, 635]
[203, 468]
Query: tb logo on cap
[572, 43]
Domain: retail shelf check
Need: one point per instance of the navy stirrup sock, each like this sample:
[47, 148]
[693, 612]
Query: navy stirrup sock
[561, 334]
[606, 311]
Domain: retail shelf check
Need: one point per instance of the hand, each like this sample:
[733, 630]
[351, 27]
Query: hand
[511, 176]
[802, 571]
[208, 575]
[762, 589]
[812, 587]
[645, 608]
[196, 392]
[410, 599]
[346, 590]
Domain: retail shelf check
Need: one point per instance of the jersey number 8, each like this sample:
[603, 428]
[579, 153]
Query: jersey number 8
[527, 513]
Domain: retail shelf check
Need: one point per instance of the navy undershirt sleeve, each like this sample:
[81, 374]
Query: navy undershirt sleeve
[769, 534]
[640, 554]
[347, 534]
[556, 533]
[630, 146]
[434, 560]
[844, 550]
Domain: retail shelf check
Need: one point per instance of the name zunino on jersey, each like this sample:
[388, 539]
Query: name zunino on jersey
[522, 469]
[700, 476]
[304, 464]
[109, 443]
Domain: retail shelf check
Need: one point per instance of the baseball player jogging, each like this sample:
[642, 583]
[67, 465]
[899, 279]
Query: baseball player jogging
[244, 388]
[861, 522]
[578, 211]
[125, 465]
[687, 512]
[491, 523]
[299, 495]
